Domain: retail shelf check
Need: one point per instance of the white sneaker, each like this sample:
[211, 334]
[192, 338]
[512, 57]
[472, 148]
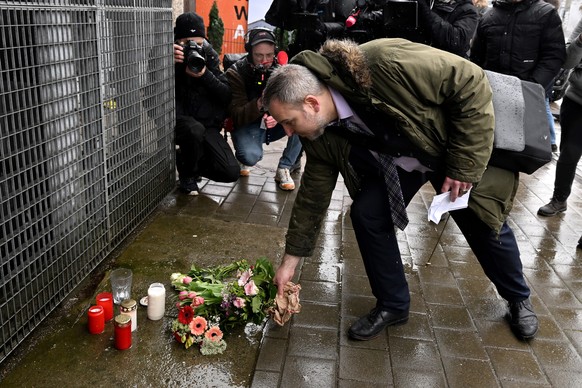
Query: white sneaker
[244, 170]
[283, 177]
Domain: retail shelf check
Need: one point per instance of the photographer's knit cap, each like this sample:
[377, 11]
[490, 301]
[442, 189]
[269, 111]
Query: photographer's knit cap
[189, 25]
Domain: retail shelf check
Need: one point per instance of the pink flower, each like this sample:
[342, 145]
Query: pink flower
[239, 302]
[183, 295]
[192, 295]
[213, 334]
[198, 325]
[251, 288]
[187, 280]
[197, 301]
[244, 277]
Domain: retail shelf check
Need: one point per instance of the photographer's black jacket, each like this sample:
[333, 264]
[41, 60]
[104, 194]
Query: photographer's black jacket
[206, 98]
[523, 39]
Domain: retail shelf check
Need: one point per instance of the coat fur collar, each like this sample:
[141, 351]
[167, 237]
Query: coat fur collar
[340, 64]
[346, 55]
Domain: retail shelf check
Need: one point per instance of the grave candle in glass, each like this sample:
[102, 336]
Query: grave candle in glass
[96, 320]
[156, 301]
[129, 307]
[105, 299]
[122, 332]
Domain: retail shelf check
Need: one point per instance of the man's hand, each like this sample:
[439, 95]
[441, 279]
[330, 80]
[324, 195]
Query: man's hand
[285, 272]
[195, 75]
[457, 188]
[178, 53]
[270, 122]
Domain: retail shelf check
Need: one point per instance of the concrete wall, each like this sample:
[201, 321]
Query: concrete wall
[178, 7]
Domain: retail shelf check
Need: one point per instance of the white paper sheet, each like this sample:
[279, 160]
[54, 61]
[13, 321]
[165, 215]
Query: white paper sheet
[442, 203]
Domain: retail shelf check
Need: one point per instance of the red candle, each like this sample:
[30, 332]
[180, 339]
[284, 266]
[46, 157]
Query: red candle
[122, 332]
[105, 299]
[96, 320]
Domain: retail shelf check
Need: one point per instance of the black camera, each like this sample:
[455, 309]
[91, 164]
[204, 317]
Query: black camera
[194, 56]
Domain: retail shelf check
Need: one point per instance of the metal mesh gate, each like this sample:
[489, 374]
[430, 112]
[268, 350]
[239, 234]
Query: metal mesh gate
[86, 142]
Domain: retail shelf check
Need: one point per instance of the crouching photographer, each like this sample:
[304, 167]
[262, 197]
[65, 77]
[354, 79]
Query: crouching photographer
[202, 95]
[252, 126]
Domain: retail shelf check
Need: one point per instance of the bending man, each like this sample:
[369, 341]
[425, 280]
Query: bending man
[389, 120]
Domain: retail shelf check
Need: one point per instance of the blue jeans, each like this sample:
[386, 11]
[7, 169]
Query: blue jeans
[248, 144]
[551, 122]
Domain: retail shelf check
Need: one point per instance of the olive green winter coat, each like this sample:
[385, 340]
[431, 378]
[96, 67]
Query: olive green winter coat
[440, 101]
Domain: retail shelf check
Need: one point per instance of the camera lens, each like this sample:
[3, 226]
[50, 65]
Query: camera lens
[195, 61]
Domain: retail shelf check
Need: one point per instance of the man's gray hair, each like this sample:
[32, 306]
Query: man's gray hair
[290, 84]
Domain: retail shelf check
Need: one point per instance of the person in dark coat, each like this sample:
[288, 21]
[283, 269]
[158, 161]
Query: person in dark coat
[387, 119]
[571, 135]
[446, 24]
[523, 38]
[202, 96]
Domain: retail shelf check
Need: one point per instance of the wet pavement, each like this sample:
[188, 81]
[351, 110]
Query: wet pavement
[457, 335]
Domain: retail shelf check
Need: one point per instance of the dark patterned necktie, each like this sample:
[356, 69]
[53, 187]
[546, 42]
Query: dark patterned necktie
[395, 198]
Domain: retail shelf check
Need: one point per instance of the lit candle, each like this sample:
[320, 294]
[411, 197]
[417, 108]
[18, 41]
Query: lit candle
[96, 320]
[156, 301]
[122, 332]
[105, 299]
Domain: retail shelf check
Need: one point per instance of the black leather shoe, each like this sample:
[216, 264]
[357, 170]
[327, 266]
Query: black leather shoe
[523, 320]
[371, 325]
[579, 243]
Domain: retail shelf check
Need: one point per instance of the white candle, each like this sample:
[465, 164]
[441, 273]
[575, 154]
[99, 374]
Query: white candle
[129, 307]
[156, 301]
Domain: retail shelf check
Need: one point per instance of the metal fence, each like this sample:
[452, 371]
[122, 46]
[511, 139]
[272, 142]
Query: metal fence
[86, 142]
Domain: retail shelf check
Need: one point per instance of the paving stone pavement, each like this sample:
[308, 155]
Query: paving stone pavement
[457, 335]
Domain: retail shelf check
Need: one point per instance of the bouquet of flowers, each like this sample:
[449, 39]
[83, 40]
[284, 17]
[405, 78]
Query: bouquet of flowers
[213, 300]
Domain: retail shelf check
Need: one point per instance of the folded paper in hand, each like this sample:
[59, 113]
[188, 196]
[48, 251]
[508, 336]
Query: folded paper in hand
[442, 203]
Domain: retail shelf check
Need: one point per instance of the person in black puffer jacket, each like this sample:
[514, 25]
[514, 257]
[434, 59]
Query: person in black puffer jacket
[202, 97]
[448, 25]
[521, 38]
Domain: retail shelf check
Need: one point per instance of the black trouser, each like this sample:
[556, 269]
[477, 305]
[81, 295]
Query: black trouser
[570, 148]
[498, 255]
[203, 152]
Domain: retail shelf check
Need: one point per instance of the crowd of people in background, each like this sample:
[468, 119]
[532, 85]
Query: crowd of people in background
[318, 105]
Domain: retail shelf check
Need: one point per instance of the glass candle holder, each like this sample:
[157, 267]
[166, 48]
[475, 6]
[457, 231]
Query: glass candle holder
[122, 332]
[156, 301]
[129, 307]
[96, 320]
[121, 279]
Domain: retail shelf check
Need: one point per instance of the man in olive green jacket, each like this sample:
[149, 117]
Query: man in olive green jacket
[393, 105]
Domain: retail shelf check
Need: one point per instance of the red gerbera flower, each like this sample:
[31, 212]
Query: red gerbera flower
[186, 315]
